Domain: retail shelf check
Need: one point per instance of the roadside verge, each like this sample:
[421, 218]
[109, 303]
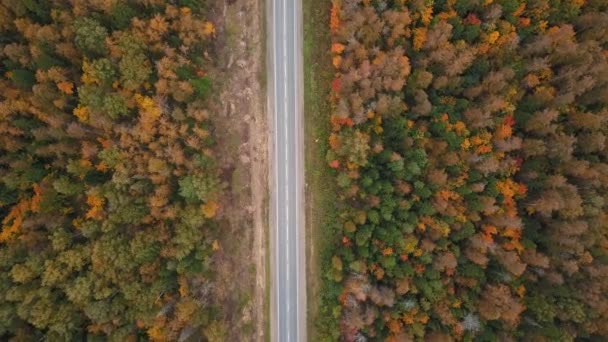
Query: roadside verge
[320, 194]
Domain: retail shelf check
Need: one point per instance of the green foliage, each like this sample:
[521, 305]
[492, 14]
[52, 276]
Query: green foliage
[41, 9]
[202, 86]
[111, 156]
[195, 5]
[185, 72]
[91, 96]
[125, 209]
[115, 106]
[134, 70]
[216, 331]
[96, 243]
[46, 61]
[101, 70]
[444, 180]
[543, 311]
[343, 180]
[130, 44]
[23, 78]
[197, 188]
[90, 36]
[121, 15]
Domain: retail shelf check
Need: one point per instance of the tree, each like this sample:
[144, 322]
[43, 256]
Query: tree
[497, 303]
[216, 331]
[95, 234]
[88, 35]
[134, 70]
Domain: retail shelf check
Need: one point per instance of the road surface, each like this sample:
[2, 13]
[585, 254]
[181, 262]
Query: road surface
[288, 304]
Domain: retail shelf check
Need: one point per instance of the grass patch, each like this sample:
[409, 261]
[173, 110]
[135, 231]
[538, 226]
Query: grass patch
[321, 196]
[263, 79]
[231, 29]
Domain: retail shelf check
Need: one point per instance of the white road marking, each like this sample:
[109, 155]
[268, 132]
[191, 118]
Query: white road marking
[287, 107]
[285, 120]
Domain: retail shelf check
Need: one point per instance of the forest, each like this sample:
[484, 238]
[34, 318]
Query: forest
[468, 147]
[109, 186]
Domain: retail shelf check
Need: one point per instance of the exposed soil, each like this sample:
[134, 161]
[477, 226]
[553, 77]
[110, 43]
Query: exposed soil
[241, 129]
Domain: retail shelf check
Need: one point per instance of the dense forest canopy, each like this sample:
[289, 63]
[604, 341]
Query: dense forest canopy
[108, 182]
[469, 148]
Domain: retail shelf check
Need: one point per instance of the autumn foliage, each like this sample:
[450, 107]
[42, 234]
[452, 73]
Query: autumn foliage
[108, 187]
[468, 145]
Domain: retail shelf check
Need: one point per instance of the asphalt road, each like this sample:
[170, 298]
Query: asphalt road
[288, 304]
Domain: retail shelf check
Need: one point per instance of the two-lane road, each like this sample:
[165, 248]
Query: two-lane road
[288, 304]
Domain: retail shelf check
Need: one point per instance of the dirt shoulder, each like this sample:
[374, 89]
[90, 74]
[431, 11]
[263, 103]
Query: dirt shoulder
[241, 128]
[320, 193]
